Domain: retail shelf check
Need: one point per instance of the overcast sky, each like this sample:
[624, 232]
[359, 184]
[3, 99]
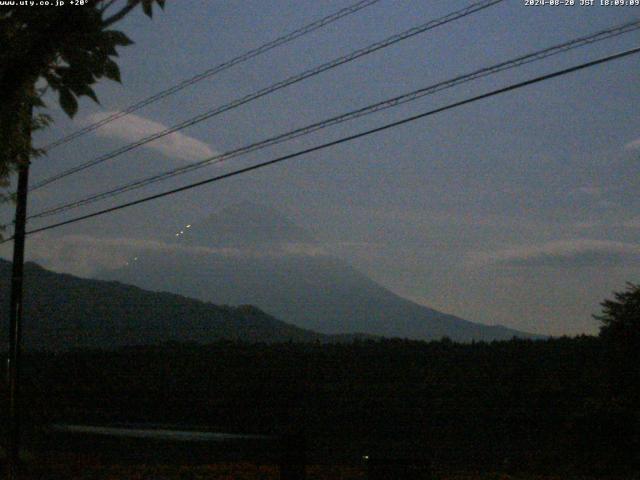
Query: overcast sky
[521, 209]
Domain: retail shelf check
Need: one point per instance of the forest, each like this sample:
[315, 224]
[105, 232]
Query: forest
[561, 406]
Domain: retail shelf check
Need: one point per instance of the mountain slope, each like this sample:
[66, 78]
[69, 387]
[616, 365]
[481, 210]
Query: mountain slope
[314, 292]
[62, 311]
[271, 263]
[243, 225]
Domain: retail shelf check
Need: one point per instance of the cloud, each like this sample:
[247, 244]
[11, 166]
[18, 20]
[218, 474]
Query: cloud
[561, 253]
[632, 222]
[85, 255]
[588, 191]
[633, 145]
[133, 127]
[586, 225]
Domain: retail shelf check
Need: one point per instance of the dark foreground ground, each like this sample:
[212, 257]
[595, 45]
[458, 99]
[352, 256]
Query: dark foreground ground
[253, 471]
[549, 409]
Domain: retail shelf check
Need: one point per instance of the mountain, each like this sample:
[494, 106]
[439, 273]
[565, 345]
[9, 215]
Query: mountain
[64, 312]
[242, 225]
[250, 254]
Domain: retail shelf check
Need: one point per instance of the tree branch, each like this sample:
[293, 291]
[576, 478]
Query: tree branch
[121, 14]
[106, 6]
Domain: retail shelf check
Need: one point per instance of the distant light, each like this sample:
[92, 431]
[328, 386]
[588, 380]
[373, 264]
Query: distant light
[177, 234]
[181, 232]
[188, 226]
[365, 457]
[135, 258]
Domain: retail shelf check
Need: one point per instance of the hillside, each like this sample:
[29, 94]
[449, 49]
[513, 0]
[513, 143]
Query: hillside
[250, 254]
[65, 312]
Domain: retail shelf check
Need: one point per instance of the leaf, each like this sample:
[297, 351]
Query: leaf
[78, 76]
[88, 91]
[68, 102]
[109, 50]
[116, 37]
[52, 79]
[37, 101]
[112, 71]
[147, 7]
[40, 121]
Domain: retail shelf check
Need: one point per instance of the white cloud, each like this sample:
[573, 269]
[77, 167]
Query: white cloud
[133, 127]
[85, 255]
[565, 253]
[633, 145]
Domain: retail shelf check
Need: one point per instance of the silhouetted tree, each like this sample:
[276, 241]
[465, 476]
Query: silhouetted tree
[66, 49]
[620, 318]
[620, 333]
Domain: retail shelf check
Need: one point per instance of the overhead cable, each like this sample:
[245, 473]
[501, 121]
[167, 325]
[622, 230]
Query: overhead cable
[349, 138]
[464, 12]
[311, 27]
[370, 109]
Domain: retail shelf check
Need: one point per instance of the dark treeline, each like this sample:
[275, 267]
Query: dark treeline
[558, 405]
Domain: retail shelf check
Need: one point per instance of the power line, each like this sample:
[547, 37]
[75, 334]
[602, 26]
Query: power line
[277, 86]
[341, 140]
[370, 109]
[469, 10]
[311, 27]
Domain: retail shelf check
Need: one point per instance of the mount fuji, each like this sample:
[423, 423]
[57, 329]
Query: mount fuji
[251, 254]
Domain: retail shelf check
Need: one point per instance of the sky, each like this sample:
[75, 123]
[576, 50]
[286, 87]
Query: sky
[520, 210]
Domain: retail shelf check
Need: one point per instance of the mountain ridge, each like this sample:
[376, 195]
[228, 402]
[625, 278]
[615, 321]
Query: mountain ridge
[241, 225]
[306, 288]
[62, 311]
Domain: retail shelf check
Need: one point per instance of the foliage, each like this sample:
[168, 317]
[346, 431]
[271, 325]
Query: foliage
[621, 317]
[65, 49]
[620, 333]
[536, 406]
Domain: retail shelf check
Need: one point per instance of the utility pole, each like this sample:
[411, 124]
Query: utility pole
[15, 316]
